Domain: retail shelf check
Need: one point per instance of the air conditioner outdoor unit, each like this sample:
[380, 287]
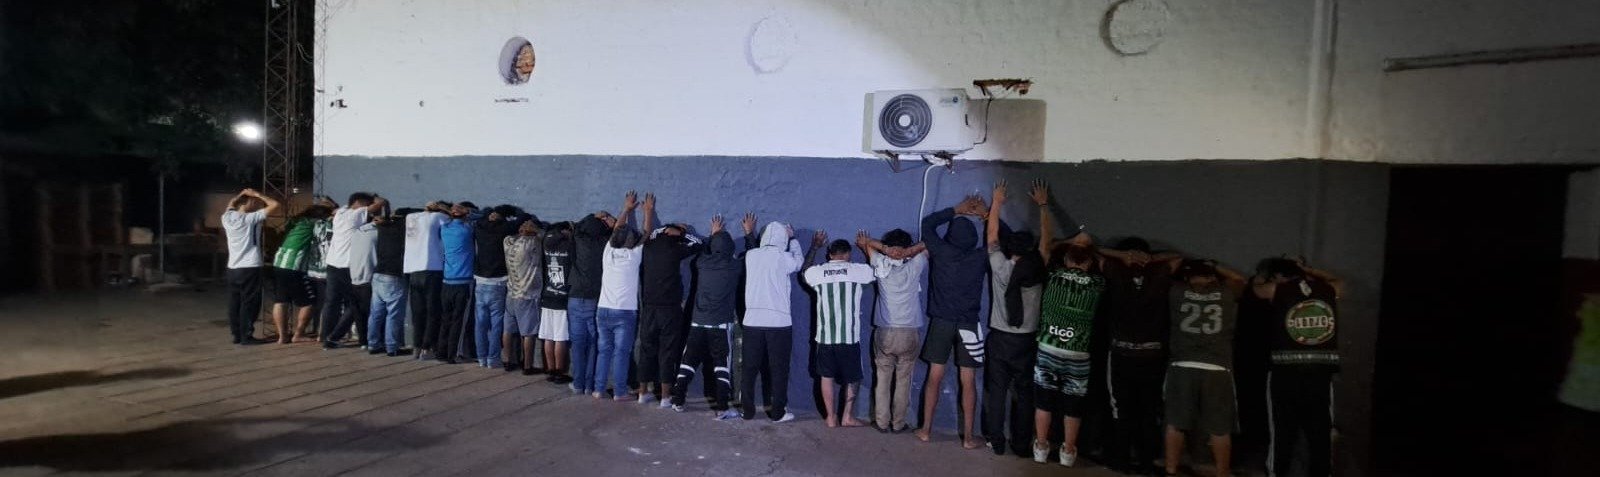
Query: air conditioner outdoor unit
[920, 121]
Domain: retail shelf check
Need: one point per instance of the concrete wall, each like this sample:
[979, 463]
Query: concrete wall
[1235, 211]
[789, 77]
[1583, 216]
[1541, 112]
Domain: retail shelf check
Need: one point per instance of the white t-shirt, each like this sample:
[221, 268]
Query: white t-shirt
[345, 222]
[424, 250]
[838, 286]
[619, 277]
[899, 290]
[363, 253]
[244, 237]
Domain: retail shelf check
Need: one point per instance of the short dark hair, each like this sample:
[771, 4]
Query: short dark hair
[1133, 243]
[897, 238]
[680, 230]
[1017, 243]
[838, 246]
[361, 197]
[468, 204]
[404, 211]
[1193, 267]
[506, 210]
[1275, 267]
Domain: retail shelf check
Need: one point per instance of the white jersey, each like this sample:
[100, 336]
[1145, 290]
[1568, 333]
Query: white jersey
[838, 285]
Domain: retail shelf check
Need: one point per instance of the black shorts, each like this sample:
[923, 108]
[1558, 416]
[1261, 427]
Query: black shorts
[842, 362]
[293, 286]
[1057, 402]
[946, 338]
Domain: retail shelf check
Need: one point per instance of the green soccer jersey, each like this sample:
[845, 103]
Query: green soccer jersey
[292, 254]
[1070, 299]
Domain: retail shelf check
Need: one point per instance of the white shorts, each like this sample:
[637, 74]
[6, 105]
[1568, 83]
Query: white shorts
[553, 325]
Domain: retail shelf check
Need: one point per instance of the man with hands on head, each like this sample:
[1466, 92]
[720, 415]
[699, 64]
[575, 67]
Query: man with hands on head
[662, 323]
[957, 266]
[242, 225]
[837, 285]
[898, 264]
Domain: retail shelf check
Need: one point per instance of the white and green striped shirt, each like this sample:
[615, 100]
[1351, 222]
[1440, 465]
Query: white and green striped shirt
[838, 286]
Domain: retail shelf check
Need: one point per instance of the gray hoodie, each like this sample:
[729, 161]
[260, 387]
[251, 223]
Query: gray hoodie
[769, 278]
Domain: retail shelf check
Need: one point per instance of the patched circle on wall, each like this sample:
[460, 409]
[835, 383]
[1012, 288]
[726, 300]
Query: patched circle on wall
[1134, 27]
[770, 45]
[516, 60]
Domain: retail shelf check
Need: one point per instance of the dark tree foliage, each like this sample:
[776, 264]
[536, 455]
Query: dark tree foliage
[163, 79]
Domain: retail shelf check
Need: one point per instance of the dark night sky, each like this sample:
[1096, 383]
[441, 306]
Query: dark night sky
[93, 77]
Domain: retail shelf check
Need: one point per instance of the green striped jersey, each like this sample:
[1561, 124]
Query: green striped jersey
[292, 254]
[838, 306]
[1070, 299]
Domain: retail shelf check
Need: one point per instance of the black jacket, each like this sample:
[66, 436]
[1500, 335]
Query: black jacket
[391, 247]
[490, 238]
[589, 236]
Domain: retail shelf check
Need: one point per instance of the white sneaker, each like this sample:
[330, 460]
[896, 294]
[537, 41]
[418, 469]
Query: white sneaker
[667, 403]
[646, 398]
[788, 416]
[677, 407]
[728, 415]
[1041, 454]
[1066, 459]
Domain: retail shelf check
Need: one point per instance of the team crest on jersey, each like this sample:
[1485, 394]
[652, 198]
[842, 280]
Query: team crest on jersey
[1310, 322]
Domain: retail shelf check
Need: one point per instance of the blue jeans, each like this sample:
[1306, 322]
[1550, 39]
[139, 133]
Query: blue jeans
[582, 330]
[388, 312]
[617, 328]
[491, 316]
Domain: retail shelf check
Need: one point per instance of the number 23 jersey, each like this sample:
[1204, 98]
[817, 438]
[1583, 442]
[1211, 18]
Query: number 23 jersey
[1203, 321]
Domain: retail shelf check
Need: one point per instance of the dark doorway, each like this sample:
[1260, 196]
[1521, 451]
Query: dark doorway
[1470, 330]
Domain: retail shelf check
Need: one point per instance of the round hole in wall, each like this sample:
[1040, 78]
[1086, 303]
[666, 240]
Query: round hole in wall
[516, 60]
[1134, 27]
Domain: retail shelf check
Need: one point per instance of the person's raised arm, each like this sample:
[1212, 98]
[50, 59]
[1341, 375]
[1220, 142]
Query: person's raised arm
[817, 241]
[865, 243]
[997, 198]
[796, 260]
[272, 204]
[751, 241]
[376, 207]
[648, 216]
[1041, 197]
[629, 201]
[930, 227]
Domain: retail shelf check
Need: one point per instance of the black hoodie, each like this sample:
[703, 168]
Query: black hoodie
[490, 261]
[956, 267]
[717, 286]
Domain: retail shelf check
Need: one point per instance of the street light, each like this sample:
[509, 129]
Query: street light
[247, 131]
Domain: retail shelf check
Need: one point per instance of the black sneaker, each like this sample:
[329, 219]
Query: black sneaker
[998, 446]
[330, 345]
[562, 379]
[251, 341]
[393, 354]
[375, 351]
[511, 367]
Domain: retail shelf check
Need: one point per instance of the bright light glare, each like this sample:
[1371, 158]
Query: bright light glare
[247, 131]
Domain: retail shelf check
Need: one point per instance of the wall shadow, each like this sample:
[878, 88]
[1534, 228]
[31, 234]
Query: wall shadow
[25, 385]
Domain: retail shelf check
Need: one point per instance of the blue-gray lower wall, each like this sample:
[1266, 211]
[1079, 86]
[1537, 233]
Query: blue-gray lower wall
[1235, 211]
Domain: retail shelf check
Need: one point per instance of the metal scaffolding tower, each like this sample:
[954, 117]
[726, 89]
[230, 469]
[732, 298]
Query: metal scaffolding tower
[280, 101]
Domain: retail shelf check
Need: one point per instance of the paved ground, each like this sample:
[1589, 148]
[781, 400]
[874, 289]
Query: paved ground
[129, 382]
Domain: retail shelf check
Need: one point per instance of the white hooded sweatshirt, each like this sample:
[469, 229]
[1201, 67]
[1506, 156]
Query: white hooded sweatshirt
[769, 277]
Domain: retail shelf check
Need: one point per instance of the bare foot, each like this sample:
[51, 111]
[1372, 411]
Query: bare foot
[830, 422]
[852, 422]
[301, 339]
[923, 434]
[971, 443]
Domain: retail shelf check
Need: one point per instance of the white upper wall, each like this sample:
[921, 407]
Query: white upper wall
[1227, 79]
[1544, 112]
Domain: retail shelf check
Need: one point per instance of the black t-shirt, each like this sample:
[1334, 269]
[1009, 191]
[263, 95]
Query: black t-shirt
[660, 280]
[1136, 301]
[490, 262]
[1303, 328]
[558, 258]
[391, 248]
